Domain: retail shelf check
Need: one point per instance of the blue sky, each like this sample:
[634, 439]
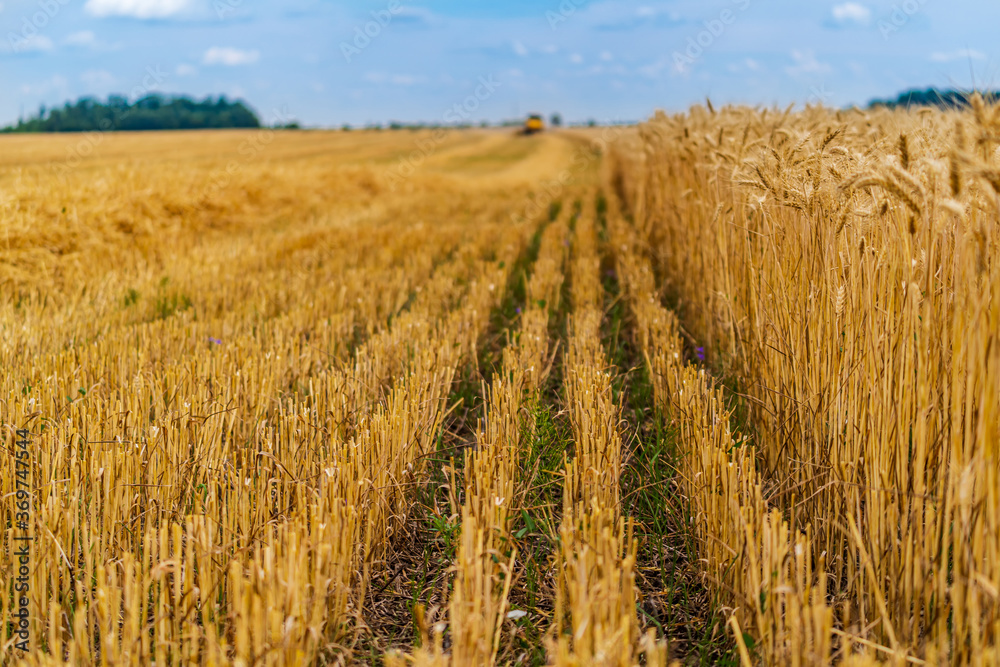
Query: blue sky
[607, 59]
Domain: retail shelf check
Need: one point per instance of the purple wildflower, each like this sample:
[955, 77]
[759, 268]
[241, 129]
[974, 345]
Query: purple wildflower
[519, 310]
[701, 353]
[215, 340]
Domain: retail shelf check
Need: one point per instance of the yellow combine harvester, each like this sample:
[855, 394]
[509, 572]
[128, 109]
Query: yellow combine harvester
[533, 124]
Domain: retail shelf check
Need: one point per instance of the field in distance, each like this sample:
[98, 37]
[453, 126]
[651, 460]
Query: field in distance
[721, 388]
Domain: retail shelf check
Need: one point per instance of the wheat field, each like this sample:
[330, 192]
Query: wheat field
[720, 388]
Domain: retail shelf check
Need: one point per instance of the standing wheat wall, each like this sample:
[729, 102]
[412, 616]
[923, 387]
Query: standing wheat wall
[840, 267]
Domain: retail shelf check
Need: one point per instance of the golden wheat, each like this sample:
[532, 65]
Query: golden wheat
[861, 335]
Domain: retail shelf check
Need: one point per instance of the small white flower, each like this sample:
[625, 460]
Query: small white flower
[516, 614]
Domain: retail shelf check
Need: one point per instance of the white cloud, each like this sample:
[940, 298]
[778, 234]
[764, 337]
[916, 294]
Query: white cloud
[186, 70]
[806, 64]
[519, 48]
[549, 48]
[395, 79]
[606, 56]
[960, 54]
[33, 44]
[406, 79]
[98, 78]
[140, 9]
[852, 12]
[82, 38]
[56, 83]
[576, 59]
[86, 39]
[417, 15]
[653, 70]
[223, 55]
[747, 65]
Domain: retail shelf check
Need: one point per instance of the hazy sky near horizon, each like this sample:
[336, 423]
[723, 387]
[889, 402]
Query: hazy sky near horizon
[327, 63]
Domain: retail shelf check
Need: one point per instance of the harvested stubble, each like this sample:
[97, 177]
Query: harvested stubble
[840, 266]
[229, 429]
[391, 442]
[346, 498]
[597, 551]
[485, 563]
[222, 458]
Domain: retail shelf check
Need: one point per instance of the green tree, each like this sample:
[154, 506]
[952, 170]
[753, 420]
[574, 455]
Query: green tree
[153, 112]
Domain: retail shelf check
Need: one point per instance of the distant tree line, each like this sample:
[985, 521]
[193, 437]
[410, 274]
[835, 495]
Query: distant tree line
[153, 112]
[932, 97]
